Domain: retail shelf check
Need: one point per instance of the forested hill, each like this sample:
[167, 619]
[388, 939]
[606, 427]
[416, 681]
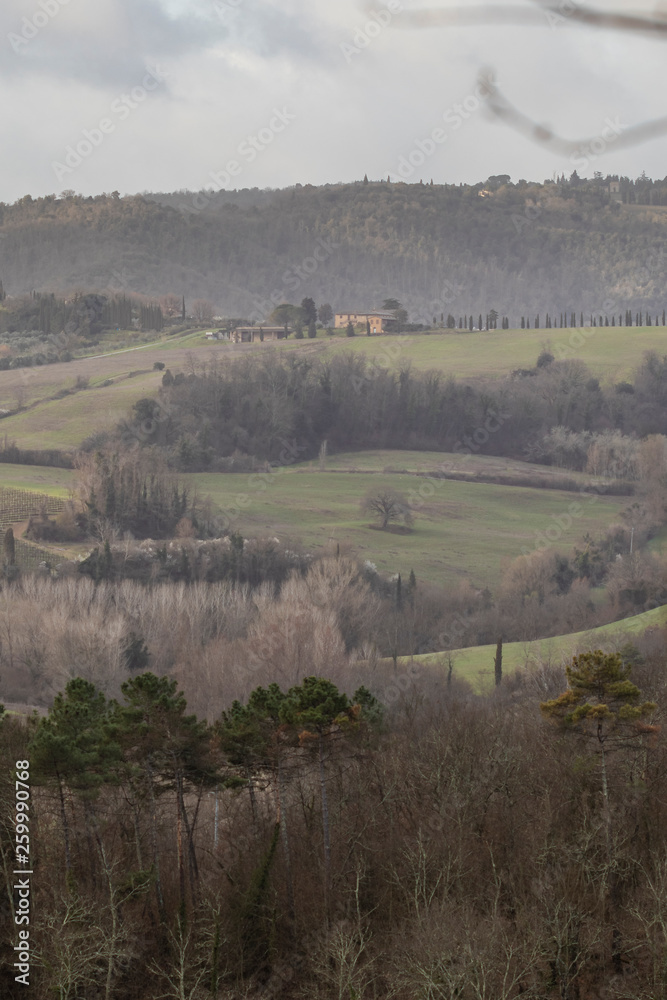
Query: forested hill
[517, 248]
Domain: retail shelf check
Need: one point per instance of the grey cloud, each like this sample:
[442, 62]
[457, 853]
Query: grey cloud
[145, 34]
[271, 33]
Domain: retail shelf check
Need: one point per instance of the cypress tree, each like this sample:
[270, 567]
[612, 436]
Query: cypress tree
[498, 661]
[9, 548]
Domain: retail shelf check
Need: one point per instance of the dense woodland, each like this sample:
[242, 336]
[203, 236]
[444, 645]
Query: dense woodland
[310, 844]
[522, 248]
[218, 416]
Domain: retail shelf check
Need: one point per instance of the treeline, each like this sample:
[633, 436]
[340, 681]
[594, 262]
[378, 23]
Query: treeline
[409, 841]
[565, 321]
[10, 453]
[439, 249]
[84, 316]
[281, 409]
[42, 329]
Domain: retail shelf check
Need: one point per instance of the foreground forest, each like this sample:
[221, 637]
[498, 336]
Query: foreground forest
[514, 247]
[311, 844]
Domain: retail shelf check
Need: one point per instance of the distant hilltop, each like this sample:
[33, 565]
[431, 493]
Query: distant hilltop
[522, 248]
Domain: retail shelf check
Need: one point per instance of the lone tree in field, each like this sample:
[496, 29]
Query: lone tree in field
[387, 506]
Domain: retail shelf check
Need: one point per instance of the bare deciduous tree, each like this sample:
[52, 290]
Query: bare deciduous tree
[387, 506]
[202, 310]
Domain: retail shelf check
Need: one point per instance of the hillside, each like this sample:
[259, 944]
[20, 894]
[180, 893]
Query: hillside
[466, 531]
[475, 664]
[59, 405]
[522, 248]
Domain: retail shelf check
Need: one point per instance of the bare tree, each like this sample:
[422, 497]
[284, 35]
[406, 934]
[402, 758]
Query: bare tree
[387, 506]
[202, 310]
[171, 305]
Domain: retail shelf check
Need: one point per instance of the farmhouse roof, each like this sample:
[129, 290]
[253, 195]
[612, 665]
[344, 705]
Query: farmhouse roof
[381, 313]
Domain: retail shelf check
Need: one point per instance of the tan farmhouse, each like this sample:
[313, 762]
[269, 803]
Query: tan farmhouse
[380, 320]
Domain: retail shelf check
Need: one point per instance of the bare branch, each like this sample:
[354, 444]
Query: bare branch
[503, 109]
[540, 14]
[514, 15]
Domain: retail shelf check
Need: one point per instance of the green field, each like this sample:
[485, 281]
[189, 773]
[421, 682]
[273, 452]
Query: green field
[425, 463]
[38, 420]
[42, 382]
[612, 353]
[463, 531]
[38, 479]
[65, 423]
[476, 664]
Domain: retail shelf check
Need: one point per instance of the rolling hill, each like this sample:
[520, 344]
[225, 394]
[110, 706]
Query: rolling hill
[476, 664]
[523, 248]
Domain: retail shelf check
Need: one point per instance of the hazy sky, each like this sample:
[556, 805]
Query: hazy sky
[161, 95]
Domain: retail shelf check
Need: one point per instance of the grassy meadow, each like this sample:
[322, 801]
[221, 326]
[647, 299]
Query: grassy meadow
[37, 479]
[463, 531]
[612, 353]
[427, 463]
[50, 410]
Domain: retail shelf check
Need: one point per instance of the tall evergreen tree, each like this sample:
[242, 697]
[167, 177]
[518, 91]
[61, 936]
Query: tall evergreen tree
[166, 750]
[71, 749]
[602, 703]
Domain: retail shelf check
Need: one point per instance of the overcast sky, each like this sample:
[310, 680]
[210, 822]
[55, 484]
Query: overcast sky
[302, 91]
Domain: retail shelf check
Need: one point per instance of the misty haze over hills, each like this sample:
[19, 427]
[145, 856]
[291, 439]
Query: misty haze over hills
[518, 248]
